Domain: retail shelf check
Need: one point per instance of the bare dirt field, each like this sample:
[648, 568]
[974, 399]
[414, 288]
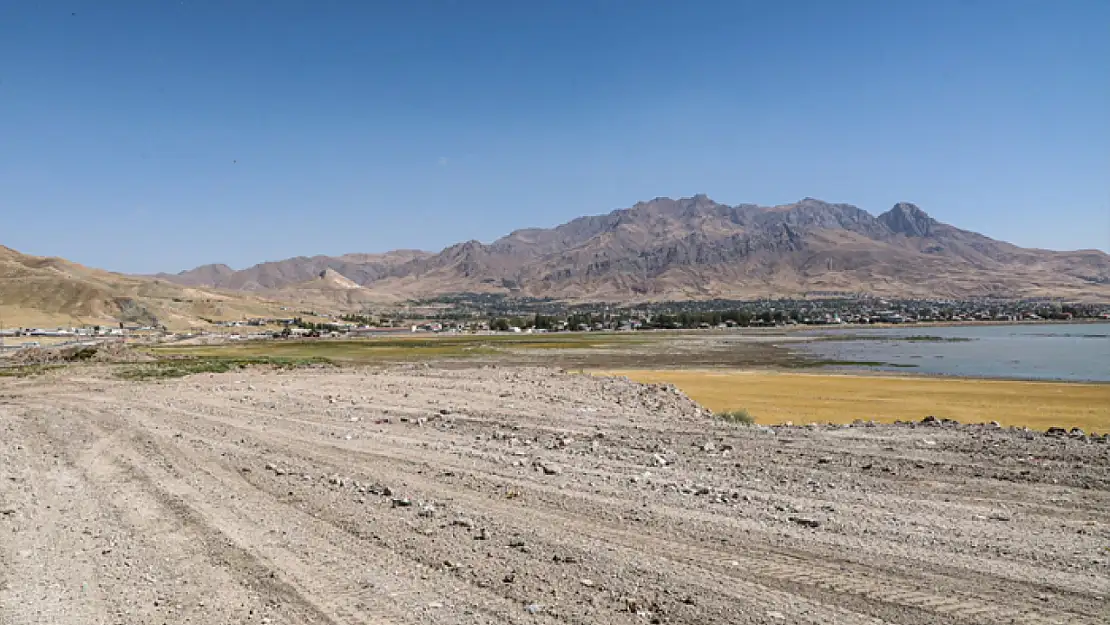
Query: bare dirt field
[424, 495]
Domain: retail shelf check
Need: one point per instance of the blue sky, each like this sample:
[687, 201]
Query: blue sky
[154, 135]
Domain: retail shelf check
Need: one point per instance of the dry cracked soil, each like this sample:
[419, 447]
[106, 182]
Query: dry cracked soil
[424, 495]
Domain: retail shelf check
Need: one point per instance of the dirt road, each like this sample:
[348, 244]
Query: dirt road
[522, 496]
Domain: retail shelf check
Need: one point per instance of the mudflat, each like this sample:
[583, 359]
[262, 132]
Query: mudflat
[421, 495]
[778, 397]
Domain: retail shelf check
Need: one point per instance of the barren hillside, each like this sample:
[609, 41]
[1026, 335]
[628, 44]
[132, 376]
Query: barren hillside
[695, 248]
[38, 291]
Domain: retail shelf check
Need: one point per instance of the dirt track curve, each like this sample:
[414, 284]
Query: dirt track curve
[418, 495]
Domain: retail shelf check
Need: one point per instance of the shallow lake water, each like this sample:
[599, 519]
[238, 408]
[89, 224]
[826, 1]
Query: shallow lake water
[1043, 351]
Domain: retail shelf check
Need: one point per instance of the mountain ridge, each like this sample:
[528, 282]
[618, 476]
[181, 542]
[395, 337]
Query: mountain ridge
[695, 247]
[659, 250]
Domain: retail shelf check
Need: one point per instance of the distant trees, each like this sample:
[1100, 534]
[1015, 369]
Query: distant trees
[299, 322]
[359, 319]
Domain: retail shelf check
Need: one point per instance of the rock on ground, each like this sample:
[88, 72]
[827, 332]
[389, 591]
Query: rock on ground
[252, 497]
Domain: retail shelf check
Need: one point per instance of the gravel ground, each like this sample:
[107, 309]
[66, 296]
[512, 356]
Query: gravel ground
[422, 495]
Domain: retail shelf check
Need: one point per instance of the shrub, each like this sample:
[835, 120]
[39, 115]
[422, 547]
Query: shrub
[741, 416]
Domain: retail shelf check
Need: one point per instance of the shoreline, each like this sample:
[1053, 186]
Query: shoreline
[849, 372]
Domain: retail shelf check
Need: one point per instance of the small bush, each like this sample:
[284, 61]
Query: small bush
[741, 416]
[84, 353]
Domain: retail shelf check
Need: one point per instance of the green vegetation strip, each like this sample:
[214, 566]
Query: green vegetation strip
[26, 371]
[396, 349]
[165, 369]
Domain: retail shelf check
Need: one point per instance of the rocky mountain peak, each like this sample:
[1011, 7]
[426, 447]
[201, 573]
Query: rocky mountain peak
[906, 218]
[335, 279]
[672, 247]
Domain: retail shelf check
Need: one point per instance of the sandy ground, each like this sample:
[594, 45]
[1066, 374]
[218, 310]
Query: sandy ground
[420, 495]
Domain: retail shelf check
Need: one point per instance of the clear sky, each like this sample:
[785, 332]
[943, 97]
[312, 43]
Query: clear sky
[152, 135]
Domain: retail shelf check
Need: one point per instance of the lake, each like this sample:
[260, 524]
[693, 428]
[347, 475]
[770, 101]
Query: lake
[1075, 352]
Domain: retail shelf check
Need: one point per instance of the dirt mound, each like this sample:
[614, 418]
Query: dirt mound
[107, 352]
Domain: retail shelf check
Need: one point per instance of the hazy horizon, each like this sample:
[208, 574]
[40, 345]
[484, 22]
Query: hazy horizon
[157, 137]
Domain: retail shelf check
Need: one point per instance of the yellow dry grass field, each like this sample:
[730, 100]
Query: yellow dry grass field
[804, 398]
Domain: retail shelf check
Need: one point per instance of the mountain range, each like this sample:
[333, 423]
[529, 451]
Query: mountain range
[693, 248]
[664, 249]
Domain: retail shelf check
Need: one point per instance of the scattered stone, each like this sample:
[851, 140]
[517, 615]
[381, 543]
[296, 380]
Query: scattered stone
[1077, 433]
[1055, 431]
[483, 534]
[709, 447]
[779, 616]
[930, 420]
[509, 578]
[588, 583]
[534, 608]
[463, 522]
[825, 460]
[401, 502]
[427, 511]
[551, 469]
[999, 516]
[659, 460]
[806, 521]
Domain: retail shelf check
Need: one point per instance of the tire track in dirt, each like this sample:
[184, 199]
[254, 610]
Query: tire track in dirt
[952, 580]
[179, 533]
[196, 456]
[334, 592]
[801, 574]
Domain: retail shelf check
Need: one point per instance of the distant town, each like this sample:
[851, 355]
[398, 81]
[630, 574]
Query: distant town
[481, 313]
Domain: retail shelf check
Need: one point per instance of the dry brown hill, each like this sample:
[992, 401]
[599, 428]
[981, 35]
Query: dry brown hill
[695, 248]
[360, 268]
[330, 291]
[37, 291]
